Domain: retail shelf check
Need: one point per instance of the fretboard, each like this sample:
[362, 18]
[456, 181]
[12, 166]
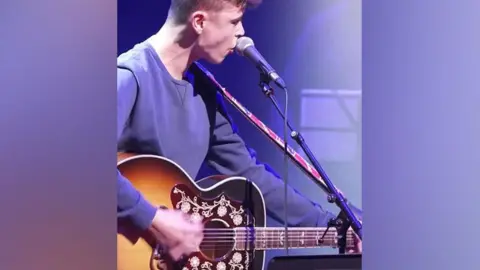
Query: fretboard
[274, 238]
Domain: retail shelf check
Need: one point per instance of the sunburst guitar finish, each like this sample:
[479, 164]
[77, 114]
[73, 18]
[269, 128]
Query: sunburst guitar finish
[232, 209]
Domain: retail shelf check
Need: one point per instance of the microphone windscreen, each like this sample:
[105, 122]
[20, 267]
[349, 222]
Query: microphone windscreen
[243, 43]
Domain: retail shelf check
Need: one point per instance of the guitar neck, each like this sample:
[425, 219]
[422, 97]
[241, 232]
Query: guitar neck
[274, 238]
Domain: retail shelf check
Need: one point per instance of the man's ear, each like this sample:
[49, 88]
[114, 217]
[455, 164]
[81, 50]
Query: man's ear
[198, 19]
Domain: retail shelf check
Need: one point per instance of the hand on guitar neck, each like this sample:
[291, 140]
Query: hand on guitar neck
[176, 232]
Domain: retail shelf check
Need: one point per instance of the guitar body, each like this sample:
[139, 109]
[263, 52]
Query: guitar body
[222, 203]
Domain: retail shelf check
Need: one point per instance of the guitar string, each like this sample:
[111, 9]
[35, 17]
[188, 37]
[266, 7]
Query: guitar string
[217, 235]
[244, 236]
[309, 241]
[260, 247]
[257, 231]
[325, 241]
[266, 237]
[213, 234]
[229, 245]
[272, 239]
[240, 246]
[259, 244]
[228, 248]
[271, 235]
[265, 232]
[271, 231]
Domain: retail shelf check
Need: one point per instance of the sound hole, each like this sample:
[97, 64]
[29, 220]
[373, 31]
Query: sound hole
[218, 240]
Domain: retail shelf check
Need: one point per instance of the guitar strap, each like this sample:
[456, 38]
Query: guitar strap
[294, 156]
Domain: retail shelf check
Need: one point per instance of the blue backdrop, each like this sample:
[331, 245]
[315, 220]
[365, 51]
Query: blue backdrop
[316, 47]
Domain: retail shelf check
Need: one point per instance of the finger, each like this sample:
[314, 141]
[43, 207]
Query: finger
[198, 241]
[176, 253]
[189, 218]
[199, 237]
[179, 251]
[192, 240]
[193, 228]
[192, 246]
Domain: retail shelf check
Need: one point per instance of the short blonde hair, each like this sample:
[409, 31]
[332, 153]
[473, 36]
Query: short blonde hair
[180, 10]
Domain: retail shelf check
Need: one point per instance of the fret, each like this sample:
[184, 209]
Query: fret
[264, 240]
[302, 239]
[281, 238]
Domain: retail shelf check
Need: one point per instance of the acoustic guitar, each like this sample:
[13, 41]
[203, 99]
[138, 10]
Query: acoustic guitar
[233, 211]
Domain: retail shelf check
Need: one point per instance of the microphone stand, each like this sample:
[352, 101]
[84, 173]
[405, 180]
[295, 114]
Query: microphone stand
[345, 218]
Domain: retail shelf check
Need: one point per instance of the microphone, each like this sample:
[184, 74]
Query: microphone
[246, 47]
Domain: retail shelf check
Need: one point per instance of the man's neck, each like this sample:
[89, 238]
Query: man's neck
[174, 48]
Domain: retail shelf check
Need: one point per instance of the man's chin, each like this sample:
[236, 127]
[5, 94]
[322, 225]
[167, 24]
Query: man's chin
[216, 60]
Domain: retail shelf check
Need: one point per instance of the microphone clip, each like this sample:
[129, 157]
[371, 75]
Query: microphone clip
[264, 84]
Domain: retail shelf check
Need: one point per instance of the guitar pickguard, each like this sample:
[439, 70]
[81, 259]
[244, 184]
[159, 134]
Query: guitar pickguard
[201, 209]
[221, 215]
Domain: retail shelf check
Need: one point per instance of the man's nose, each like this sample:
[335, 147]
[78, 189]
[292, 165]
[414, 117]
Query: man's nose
[241, 30]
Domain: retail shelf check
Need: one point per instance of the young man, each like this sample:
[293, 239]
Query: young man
[163, 111]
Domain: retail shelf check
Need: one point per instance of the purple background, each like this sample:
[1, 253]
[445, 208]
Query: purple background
[420, 97]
